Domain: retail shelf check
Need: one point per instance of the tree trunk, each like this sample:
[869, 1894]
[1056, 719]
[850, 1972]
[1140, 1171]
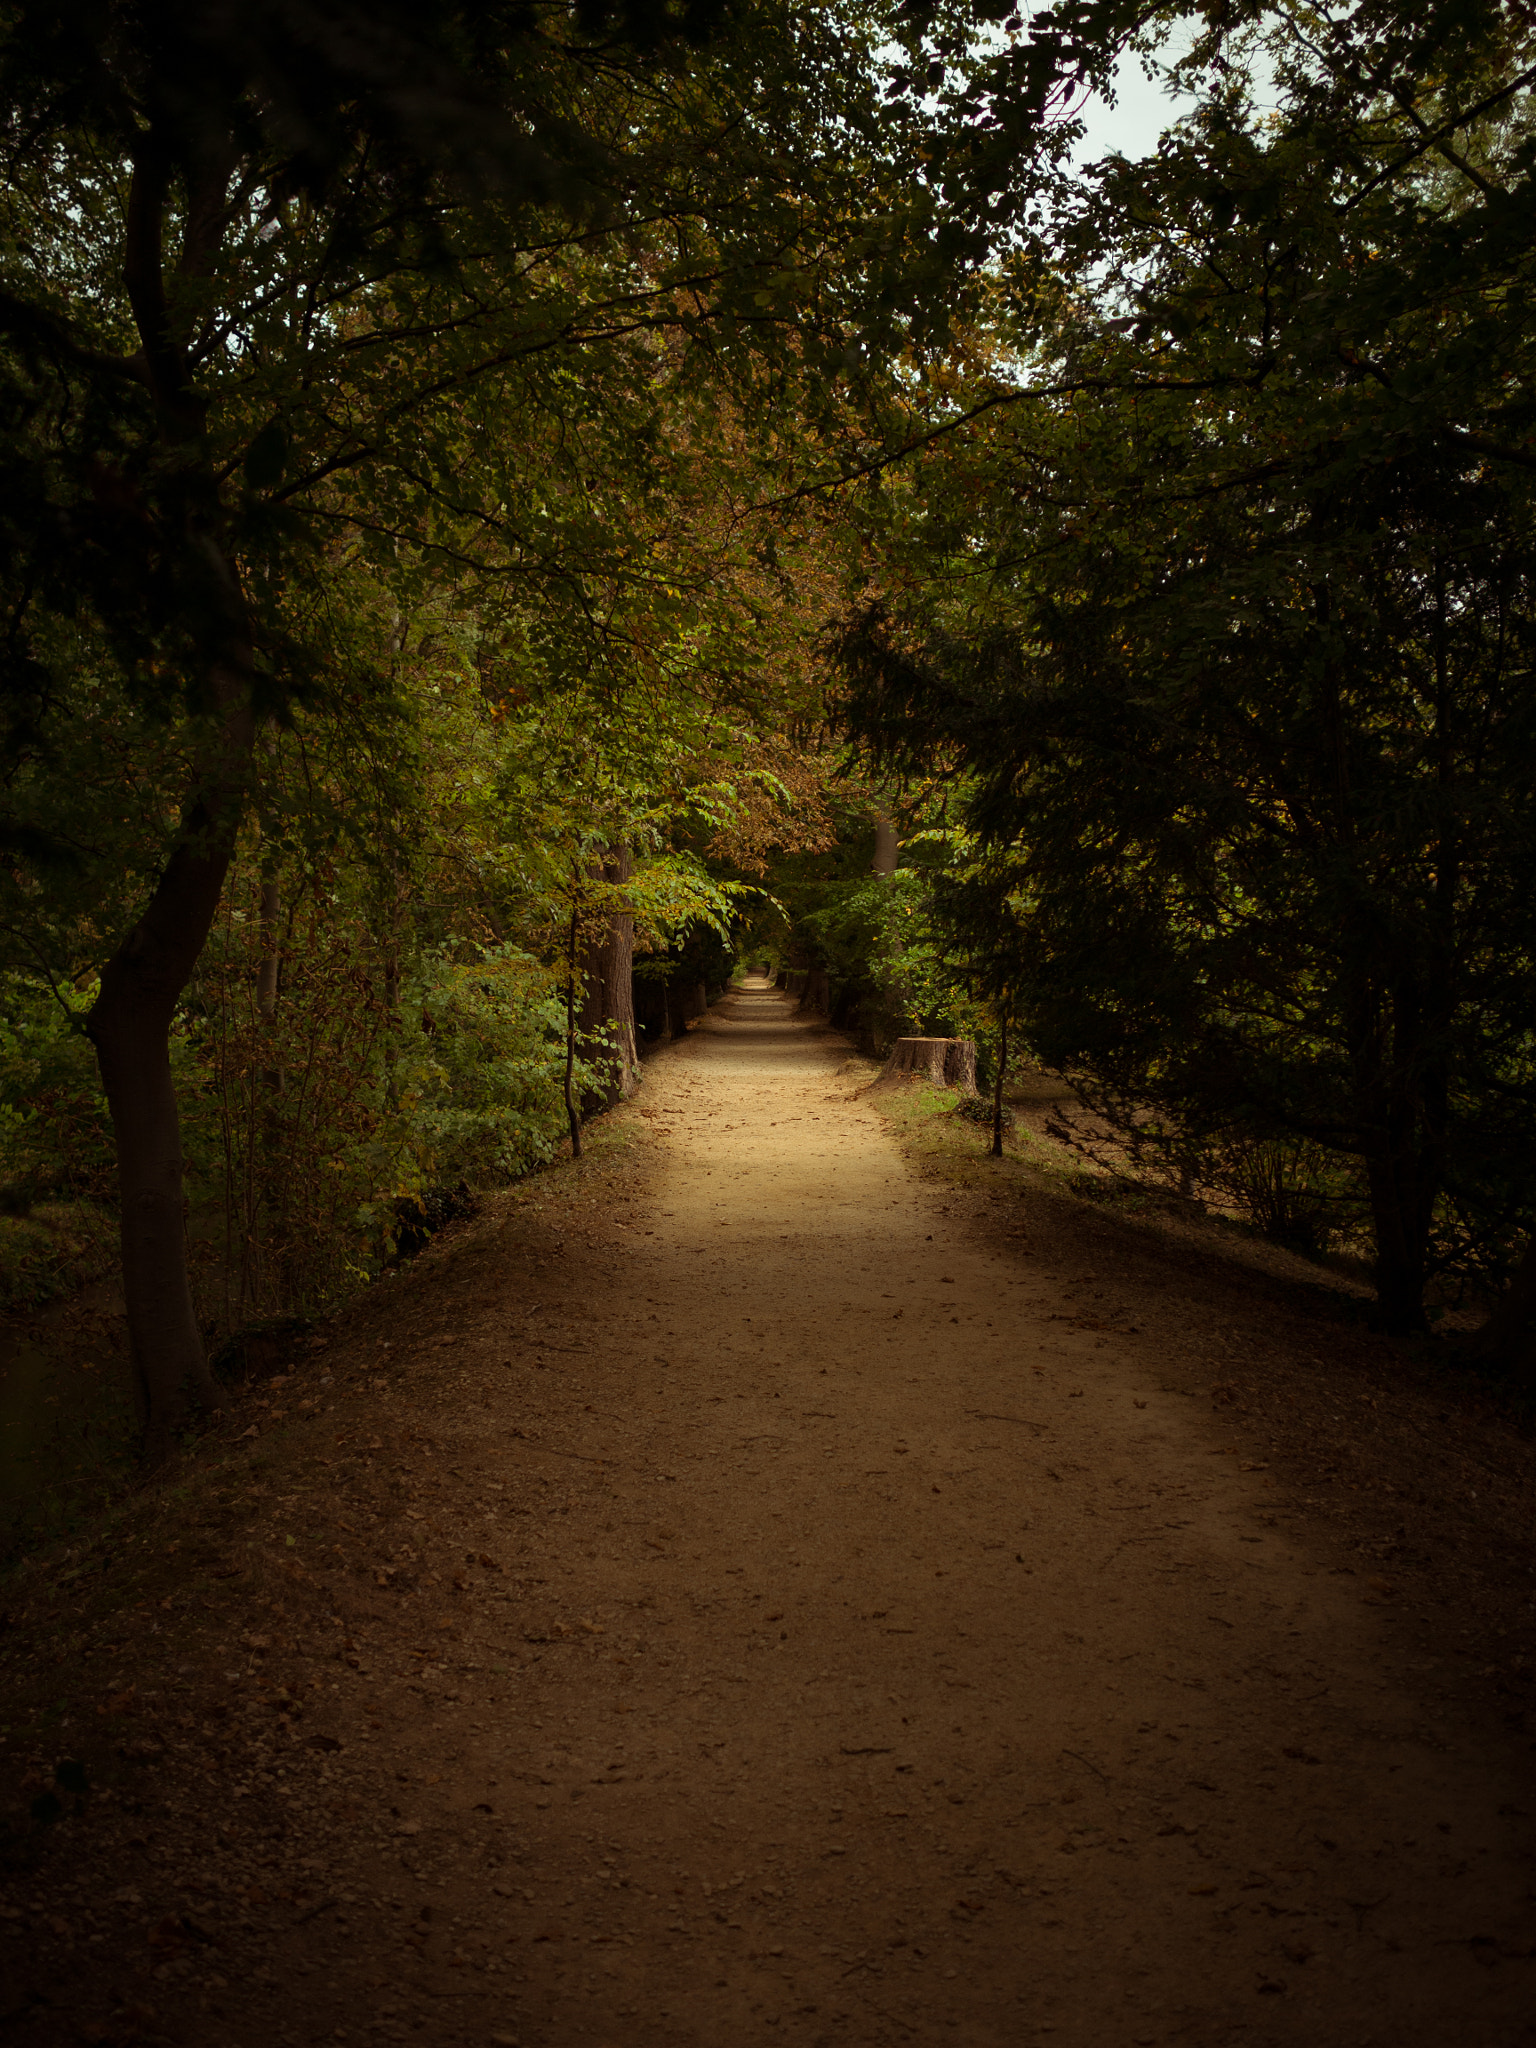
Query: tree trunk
[1403, 1116]
[608, 1002]
[816, 996]
[997, 1090]
[269, 1134]
[130, 1021]
[944, 1062]
[960, 1065]
[130, 1027]
[572, 1108]
[884, 862]
[1507, 1341]
[1400, 1244]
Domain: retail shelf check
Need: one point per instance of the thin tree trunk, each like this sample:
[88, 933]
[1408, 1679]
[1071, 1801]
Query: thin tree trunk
[886, 850]
[1507, 1341]
[277, 1283]
[1404, 1121]
[572, 1108]
[608, 998]
[130, 1026]
[997, 1088]
[130, 1021]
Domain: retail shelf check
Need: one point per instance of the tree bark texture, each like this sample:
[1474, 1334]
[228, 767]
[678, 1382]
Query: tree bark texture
[1401, 1104]
[945, 1062]
[607, 1021]
[997, 1090]
[130, 1021]
[572, 969]
[130, 1027]
[885, 845]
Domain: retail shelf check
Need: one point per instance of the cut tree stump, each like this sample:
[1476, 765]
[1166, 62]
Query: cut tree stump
[946, 1062]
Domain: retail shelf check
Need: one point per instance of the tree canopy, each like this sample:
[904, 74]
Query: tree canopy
[492, 492]
[1219, 612]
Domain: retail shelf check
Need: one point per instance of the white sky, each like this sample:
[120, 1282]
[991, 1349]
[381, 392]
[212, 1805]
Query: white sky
[1144, 107]
[1133, 125]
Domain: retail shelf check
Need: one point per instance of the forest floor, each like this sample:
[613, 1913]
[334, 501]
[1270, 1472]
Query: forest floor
[785, 1578]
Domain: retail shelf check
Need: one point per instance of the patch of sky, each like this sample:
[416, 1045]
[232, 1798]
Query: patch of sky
[1147, 97]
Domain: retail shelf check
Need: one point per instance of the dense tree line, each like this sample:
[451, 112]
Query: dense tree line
[448, 455]
[398, 409]
[1218, 623]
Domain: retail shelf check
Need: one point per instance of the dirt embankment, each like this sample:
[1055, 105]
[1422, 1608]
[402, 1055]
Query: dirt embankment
[768, 1584]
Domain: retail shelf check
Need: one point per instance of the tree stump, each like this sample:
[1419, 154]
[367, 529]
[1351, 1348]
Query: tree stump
[945, 1062]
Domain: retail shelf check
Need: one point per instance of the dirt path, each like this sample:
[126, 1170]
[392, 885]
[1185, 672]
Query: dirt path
[870, 1653]
[987, 1699]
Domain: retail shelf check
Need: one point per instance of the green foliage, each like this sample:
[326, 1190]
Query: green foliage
[878, 932]
[1221, 624]
[479, 1073]
[55, 1140]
